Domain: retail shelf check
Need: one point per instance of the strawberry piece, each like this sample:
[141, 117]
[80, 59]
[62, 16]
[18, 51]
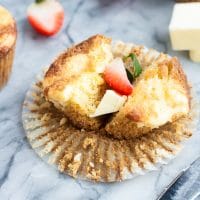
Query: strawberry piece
[116, 77]
[46, 16]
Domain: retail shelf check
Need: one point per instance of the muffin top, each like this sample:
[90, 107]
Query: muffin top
[8, 31]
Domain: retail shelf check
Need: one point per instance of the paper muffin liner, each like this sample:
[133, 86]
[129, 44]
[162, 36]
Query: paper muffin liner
[94, 155]
[6, 62]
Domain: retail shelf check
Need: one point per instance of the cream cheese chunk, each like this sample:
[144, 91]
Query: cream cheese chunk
[110, 103]
[184, 27]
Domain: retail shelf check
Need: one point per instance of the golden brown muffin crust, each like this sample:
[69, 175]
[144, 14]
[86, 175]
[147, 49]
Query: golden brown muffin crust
[8, 32]
[57, 71]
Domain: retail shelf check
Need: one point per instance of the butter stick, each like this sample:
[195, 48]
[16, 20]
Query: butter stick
[184, 27]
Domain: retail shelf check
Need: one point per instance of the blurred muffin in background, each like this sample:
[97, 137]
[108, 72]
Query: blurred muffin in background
[8, 34]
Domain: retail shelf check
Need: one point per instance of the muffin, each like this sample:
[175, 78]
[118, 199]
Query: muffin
[131, 134]
[8, 34]
[79, 80]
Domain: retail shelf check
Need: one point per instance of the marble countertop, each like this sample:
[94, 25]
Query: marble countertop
[24, 176]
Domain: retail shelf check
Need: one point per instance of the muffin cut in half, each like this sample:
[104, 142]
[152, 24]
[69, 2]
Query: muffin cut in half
[75, 84]
[74, 81]
[8, 35]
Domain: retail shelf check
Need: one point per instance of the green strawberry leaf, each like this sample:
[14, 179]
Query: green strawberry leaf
[136, 67]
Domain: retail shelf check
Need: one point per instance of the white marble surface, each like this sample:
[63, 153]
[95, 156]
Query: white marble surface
[23, 176]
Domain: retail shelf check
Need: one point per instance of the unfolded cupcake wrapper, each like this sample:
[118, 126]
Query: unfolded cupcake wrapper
[94, 155]
[6, 66]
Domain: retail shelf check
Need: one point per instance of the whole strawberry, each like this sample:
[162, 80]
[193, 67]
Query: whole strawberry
[46, 16]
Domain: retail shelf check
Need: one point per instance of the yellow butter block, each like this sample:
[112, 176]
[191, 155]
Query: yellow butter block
[184, 27]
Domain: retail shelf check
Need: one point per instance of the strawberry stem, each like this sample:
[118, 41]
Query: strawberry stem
[39, 1]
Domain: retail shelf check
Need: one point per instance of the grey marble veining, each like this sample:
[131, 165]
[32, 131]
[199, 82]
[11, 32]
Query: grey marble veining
[23, 176]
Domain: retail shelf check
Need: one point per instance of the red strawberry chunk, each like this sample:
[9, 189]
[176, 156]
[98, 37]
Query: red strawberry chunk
[116, 77]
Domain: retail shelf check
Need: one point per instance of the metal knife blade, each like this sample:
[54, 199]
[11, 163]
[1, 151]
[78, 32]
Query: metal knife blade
[186, 186]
